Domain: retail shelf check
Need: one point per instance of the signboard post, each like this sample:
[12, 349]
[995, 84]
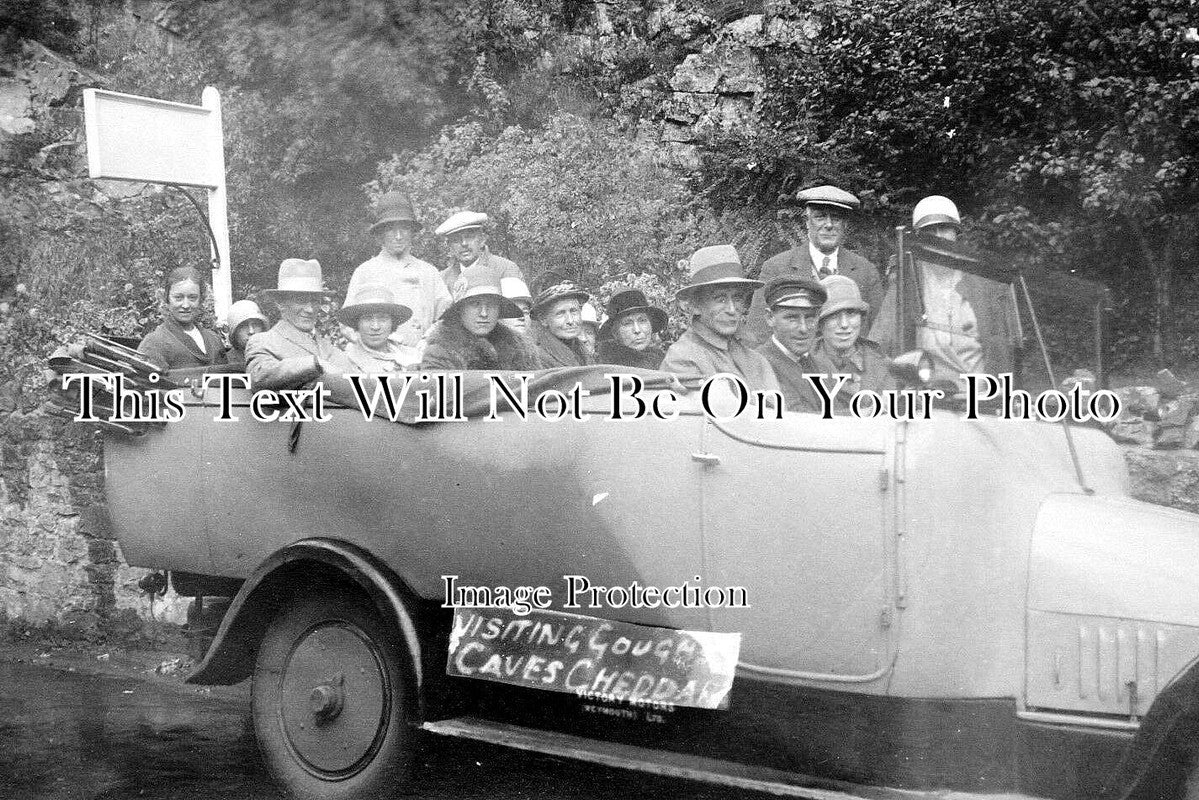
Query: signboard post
[132, 138]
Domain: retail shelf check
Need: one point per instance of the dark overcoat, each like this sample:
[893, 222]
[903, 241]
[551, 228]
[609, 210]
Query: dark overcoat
[610, 351]
[798, 394]
[797, 263]
[171, 347]
[556, 353]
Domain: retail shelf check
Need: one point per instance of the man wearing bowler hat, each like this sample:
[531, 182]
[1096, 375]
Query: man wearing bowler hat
[716, 299]
[412, 282]
[292, 354]
[826, 220]
[792, 311]
[471, 260]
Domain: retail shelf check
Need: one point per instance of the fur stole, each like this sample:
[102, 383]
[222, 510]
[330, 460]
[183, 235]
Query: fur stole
[451, 347]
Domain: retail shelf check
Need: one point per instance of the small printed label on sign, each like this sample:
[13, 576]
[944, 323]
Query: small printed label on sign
[596, 659]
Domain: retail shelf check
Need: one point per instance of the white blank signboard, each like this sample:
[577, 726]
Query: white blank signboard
[143, 139]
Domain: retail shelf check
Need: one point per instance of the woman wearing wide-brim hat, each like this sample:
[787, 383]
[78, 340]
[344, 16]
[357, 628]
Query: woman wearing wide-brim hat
[557, 319]
[627, 336]
[374, 314]
[840, 349]
[469, 336]
[293, 353]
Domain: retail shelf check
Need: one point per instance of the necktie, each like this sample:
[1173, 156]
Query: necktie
[825, 270]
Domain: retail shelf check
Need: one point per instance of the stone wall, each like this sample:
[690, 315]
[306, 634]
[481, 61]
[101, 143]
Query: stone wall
[57, 561]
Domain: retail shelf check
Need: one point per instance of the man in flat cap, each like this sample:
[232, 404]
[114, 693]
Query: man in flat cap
[470, 258]
[716, 299]
[826, 218]
[412, 282]
[792, 311]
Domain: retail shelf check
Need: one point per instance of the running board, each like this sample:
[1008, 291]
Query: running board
[681, 765]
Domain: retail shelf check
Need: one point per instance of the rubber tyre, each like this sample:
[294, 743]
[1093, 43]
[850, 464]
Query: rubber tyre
[331, 699]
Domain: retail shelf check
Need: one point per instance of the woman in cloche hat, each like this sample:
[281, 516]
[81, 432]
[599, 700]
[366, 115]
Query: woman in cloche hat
[180, 342]
[293, 354]
[469, 335]
[627, 336]
[839, 348]
[245, 320]
[374, 314]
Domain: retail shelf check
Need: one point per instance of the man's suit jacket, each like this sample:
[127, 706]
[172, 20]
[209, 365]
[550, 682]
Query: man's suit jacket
[283, 357]
[797, 262]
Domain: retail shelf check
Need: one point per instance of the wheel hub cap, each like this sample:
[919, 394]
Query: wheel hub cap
[326, 700]
[334, 721]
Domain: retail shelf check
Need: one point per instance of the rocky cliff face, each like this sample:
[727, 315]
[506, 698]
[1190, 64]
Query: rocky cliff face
[715, 90]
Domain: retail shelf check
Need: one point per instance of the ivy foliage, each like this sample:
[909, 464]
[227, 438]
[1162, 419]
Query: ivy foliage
[1068, 130]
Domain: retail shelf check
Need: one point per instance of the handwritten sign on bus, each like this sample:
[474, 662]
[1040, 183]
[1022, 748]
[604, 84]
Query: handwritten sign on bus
[594, 658]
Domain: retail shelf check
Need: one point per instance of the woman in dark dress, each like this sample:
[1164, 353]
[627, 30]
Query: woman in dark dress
[627, 336]
[180, 342]
[558, 318]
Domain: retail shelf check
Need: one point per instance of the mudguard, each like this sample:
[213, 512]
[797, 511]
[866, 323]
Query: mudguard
[1163, 743]
[230, 659]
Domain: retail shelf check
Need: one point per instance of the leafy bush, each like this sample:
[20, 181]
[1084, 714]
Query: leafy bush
[577, 200]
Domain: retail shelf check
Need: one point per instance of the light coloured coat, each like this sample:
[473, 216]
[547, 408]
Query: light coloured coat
[286, 357]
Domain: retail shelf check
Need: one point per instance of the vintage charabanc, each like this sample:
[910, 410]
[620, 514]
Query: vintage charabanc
[932, 606]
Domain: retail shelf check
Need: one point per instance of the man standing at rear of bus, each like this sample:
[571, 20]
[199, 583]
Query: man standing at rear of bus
[471, 260]
[412, 282]
[826, 214]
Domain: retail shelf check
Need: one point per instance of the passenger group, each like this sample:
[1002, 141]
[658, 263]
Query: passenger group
[403, 314]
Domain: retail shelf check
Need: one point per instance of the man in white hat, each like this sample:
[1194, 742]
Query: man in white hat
[716, 299]
[470, 259]
[826, 213]
[792, 314]
[589, 325]
[412, 282]
[292, 354]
